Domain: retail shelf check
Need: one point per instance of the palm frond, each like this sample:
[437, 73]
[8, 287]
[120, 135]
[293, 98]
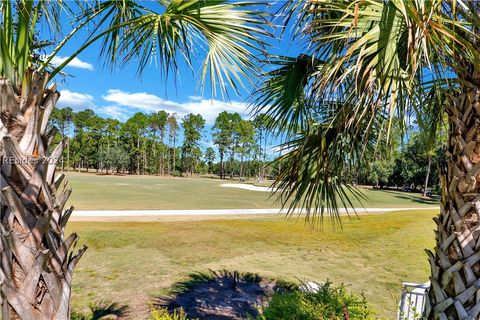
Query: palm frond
[224, 37]
[317, 160]
[20, 22]
[282, 96]
[377, 62]
[229, 36]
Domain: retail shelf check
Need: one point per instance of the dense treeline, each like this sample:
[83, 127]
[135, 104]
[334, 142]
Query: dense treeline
[149, 144]
[412, 166]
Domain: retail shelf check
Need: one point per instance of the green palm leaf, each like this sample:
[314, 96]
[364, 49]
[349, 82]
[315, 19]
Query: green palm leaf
[371, 63]
[227, 36]
[223, 37]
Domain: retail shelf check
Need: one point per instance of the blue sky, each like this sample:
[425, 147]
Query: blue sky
[121, 93]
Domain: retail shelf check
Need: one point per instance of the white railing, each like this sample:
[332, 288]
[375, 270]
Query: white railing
[413, 301]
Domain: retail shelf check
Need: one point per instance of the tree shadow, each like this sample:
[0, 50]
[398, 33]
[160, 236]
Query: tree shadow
[431, 201]
[414, 197]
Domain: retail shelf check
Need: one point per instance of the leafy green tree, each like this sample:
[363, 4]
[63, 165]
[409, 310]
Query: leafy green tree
[114, 159]
[380, 172]
[193, 126]
[246, 141]
[414, 162]
[158, 121]
[365, 65]
[86, 147]
[222, 138]
[172, 138]
[434, 136]
[210, 158]
[135, 129]
[261, 125]
[234, 123]
[111, 132]
[225, 137]
[62, 119]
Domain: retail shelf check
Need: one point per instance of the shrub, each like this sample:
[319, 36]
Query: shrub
[102, 310]
[163, 314]
[176, 173]
[326, 303]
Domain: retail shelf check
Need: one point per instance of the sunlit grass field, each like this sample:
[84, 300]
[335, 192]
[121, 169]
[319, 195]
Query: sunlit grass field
[96, 192]
[132, 262]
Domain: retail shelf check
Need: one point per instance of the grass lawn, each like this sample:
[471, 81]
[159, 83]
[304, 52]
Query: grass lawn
[132, 262]
[94, 192]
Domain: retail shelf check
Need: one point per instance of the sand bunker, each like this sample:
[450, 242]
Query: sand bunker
[247, 187]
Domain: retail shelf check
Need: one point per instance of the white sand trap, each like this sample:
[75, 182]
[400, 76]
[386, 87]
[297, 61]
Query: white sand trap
[247, 187]
[122, 184]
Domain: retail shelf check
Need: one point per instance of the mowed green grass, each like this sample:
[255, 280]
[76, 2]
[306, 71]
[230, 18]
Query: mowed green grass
[96, 192]
[132, 262]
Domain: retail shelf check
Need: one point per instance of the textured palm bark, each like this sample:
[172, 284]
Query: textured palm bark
[455, 262]
[36, 261]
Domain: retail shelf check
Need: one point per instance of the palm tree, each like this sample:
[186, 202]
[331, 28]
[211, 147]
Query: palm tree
[367, 65]
[37, 260]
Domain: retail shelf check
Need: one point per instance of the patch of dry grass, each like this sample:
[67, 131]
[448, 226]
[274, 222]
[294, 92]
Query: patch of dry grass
[130, 262]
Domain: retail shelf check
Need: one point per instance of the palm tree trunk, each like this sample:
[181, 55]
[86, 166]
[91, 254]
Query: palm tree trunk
[455, 261]
[429, 166]
[36, 260]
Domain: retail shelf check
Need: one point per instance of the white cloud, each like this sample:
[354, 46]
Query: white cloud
[147, 102]
[114, 112]
[75, 63]
[75, 100]
[138, 100]
[195, 98]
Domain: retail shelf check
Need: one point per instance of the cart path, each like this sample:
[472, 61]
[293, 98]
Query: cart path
[223, 212]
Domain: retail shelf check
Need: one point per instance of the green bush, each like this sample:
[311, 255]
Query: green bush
[163, 314]
[328, 303]
[176, 173]
[102, 310]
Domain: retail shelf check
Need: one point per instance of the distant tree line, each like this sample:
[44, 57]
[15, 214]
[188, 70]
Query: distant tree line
[149, 144]
[413, 165]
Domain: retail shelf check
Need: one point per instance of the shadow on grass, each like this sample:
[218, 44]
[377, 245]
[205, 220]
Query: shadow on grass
[102, 310]
[414, 197]
[220, 295]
